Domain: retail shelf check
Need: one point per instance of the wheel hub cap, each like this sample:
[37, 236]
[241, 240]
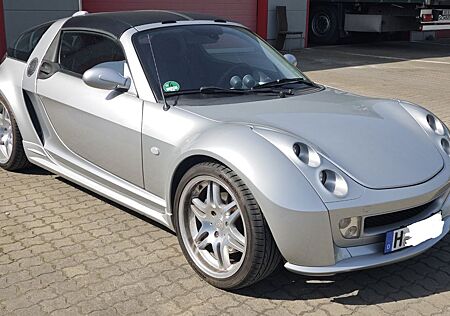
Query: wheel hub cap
[6, 135]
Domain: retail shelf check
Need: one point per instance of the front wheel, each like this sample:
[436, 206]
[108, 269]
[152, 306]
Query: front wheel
[12, 155]
[221, 229]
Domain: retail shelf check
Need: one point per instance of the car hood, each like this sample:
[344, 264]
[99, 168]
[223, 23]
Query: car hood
[374, 141]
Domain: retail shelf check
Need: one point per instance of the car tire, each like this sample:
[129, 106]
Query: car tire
[324, 25]
[247, 264]
[12, 154]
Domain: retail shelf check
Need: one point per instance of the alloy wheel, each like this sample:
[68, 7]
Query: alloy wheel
[6, 135]
[212, 227]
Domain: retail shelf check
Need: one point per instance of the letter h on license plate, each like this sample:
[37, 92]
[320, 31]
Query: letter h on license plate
[396, 240]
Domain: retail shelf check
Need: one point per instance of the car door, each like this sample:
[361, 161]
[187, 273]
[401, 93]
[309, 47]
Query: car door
[99, 126]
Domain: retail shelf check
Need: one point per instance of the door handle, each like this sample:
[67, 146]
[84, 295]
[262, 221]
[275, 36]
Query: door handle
[48, 69]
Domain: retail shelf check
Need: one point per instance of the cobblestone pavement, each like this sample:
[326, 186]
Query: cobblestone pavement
[66, 251]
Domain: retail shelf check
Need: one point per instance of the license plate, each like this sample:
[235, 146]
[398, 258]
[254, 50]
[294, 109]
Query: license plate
[414, 234]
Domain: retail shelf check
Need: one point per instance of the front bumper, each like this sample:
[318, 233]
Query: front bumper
[333, 254]
[368, 256]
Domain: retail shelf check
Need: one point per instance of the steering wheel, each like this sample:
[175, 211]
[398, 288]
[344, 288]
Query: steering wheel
[239, 69]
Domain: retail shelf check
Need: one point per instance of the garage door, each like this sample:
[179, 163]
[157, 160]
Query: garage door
[22, 15]
[242, 11]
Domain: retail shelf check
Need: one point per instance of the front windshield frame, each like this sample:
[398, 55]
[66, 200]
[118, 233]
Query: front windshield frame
[152, 72]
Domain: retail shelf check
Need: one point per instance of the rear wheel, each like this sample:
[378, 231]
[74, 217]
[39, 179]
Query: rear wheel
[12, 155]
[324, 25]
[221, 229]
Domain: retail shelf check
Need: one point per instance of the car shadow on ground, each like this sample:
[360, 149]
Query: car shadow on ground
[421, 276]
[35, 170]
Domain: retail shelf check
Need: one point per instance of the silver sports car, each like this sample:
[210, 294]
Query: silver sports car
[202, 126]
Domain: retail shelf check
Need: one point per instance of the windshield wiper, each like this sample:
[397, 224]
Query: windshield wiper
[218, 90]
[207, 90]
[213, 90]
[284, 81]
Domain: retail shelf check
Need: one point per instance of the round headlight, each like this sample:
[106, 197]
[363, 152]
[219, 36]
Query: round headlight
[436, 125]
[307, 154]
[333, 183]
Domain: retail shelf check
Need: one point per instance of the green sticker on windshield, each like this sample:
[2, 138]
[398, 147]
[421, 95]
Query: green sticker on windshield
[171, 86]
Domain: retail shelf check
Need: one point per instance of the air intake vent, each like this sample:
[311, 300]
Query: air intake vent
[33, 116]
[395, 217]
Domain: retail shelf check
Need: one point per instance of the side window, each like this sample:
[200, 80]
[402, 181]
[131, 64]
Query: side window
[27, 41]
[81, 51]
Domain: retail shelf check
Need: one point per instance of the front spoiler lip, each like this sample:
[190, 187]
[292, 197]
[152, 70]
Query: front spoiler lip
[369, 261]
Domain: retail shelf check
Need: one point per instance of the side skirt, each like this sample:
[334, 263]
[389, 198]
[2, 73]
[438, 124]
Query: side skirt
[38, 156]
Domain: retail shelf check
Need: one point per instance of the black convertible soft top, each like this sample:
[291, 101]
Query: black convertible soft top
[116, 23]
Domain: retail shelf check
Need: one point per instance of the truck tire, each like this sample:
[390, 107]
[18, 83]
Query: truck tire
[324, 25]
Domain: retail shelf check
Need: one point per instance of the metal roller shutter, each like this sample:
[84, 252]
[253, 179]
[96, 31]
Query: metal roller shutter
[242, 11]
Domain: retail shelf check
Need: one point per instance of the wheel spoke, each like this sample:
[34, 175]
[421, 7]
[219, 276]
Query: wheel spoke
[234, 216]
[198, 207]
[223, 256]
[209, 193]
[217, 200]
[203, 244]
[6, 118]
[8, 149]
[201, 239]
[3, 151]
[236, 240]
[229, 207]
[213, 194]
[4, 140]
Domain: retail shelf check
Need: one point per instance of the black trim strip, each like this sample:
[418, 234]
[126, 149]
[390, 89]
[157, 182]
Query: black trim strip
[33, 116]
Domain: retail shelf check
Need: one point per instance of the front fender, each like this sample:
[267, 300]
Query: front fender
[297, 217]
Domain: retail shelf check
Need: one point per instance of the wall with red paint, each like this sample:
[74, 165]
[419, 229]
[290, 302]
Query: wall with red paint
[261, 18]
[242, 11]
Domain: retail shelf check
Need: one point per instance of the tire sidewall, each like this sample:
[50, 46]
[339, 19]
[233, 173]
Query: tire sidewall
[243, 273]
[330, 37]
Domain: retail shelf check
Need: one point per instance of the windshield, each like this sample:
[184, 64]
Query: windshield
[192, 57]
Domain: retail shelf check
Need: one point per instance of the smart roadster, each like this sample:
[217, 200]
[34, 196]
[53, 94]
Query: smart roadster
[199, 124]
